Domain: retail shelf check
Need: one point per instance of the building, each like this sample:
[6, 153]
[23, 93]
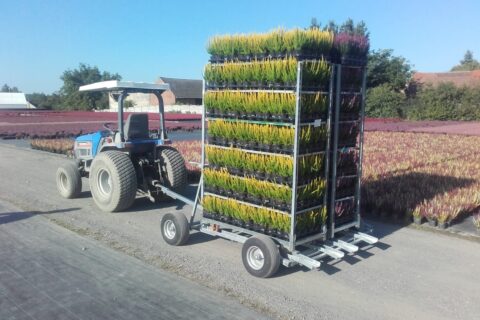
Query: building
[185, 95]
[182, 91]
[458, 78]
[14, 100]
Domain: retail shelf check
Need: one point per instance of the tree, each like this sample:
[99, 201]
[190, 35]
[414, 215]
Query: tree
[385, 68]
[44, 101]
[384, 102]
[468, 63]
[85, 74]
[6, 88]
[348, 26]
[314, 24]
[446, 101]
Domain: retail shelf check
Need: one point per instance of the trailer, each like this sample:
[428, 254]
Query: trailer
[262, 254]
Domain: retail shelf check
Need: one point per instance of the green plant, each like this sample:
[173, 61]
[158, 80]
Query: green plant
[311, 136]
[236, 158]
[251, 102]
[278, 41]
[242, 131]
[311, 166]
[263, 72]
[315, 189]
[316, 73]
[476, 221]
[314, 104]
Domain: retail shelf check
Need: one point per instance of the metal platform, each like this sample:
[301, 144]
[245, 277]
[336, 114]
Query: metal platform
[115, 85]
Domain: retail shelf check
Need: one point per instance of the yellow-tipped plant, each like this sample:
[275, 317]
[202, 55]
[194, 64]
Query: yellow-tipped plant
[276, 42]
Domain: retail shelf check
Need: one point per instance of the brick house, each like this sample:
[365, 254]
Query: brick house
[458, 78]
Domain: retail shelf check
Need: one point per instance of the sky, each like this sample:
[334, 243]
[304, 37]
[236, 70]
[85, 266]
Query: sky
[142, 40]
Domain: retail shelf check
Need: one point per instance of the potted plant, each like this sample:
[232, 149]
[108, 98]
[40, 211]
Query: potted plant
[417, 216]
[476, 221]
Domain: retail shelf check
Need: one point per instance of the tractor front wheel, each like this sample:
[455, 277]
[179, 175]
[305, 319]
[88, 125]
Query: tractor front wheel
[113, 181]
[69, 181]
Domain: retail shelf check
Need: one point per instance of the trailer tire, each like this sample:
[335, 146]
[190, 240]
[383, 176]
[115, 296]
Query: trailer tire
[175, 229]
[69, 181]
[113, 181]
[260, 256]
[172, 168]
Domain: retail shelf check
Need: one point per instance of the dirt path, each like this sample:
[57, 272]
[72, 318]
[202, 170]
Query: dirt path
[410, 274]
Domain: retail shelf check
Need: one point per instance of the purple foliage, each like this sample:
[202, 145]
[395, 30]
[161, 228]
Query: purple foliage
[351, 44]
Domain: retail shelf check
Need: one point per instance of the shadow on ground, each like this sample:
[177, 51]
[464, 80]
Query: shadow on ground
[16, 216]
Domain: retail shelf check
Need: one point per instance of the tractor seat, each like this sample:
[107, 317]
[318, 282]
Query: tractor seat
[136, 127]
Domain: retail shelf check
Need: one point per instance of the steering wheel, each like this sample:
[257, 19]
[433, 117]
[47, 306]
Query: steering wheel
[107, 125]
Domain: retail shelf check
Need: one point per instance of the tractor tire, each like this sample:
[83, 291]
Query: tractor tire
[113, 181]
[69, 181]
[172, 169]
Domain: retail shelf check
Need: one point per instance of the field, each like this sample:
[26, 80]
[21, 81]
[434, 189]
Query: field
[409, 169]
[447, 127]
[434, 177]
[56, 124]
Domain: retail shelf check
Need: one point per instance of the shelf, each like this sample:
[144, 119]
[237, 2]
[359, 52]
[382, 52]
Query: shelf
[252, 90]
[351, 93]
[309, 209]
[245, 203]
[274, 123]
[263, 207]
[254, 151]
[244, 174]
[268, 90]
[347, 176]
[279, 56]
[224, 225]
[321, 122]
[348, 121]
[345, 198]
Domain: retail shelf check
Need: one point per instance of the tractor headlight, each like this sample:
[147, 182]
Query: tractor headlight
[83, 149]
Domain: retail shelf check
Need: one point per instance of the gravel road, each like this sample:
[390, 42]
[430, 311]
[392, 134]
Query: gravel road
[410, 274]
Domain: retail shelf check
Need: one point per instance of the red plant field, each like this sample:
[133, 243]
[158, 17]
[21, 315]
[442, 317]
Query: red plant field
[434, 176]
[60, 124]
[448, 127]
[57, 124]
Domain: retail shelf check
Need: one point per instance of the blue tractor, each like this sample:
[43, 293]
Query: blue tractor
[121, 163]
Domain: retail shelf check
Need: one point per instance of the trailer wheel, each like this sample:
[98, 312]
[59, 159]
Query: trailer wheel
[175, 229]
[69, 181]
[172, 168]
[113, 181]
[260, 256]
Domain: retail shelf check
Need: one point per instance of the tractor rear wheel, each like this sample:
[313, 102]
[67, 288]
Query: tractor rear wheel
[172, 169]
[113, 181]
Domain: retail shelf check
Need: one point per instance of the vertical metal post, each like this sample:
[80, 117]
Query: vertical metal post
[335, 150]
[358, 191]
[204, 124]
[121, 98]
[296, 148]
[199, 193]
[326, 158]
[161, 113]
